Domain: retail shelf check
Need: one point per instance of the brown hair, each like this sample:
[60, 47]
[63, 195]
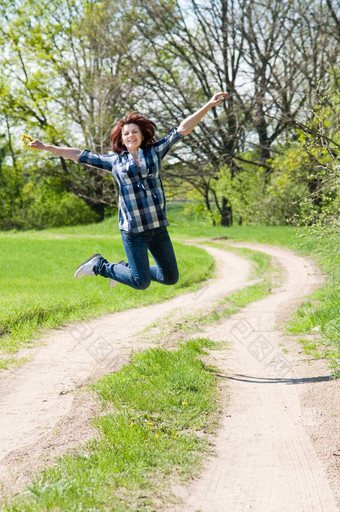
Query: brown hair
[146, 126]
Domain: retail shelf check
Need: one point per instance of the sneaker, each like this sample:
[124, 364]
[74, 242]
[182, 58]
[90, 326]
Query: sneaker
[86, 268]
[112, 282]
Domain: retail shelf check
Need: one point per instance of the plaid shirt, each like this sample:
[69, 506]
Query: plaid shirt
[142, 203]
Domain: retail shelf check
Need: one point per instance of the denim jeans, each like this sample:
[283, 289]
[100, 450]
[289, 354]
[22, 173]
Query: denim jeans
[138, 273]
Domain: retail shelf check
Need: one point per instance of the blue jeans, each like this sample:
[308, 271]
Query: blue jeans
[138, 273]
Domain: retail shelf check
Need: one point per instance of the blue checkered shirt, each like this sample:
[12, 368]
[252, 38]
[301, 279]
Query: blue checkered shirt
[142, 202]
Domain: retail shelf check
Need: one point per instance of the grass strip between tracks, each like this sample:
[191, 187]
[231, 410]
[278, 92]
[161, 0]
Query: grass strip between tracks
[159, 404]
[170, 329]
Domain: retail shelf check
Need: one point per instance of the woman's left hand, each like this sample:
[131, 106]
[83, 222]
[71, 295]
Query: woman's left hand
[188, 124]
[218, 98]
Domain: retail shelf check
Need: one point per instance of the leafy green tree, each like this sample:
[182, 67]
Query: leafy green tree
[320, 140]
[304, 186]
[64, 64]
[189, 50]
[72, 67]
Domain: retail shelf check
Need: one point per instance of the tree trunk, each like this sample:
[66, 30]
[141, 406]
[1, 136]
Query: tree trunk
[207, 204]
[99, 208]
[226, 213]
[315, 190]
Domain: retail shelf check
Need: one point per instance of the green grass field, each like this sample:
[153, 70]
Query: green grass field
[162, 404]
[38, 290]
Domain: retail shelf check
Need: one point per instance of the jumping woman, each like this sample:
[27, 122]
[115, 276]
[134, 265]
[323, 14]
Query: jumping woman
[136, 164]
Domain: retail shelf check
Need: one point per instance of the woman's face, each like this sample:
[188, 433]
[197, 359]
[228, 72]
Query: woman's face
[132, 136]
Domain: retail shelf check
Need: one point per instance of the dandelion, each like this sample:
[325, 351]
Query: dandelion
[150, 423]
[184, 403]
[131, 424]
[157, 435]
[24, 138]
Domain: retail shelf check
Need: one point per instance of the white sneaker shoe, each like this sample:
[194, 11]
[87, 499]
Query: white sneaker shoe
[86, 268]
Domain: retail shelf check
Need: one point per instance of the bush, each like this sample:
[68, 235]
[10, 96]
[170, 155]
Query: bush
[45, 205]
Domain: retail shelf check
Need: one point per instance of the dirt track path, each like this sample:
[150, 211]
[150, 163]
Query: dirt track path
[265, 458]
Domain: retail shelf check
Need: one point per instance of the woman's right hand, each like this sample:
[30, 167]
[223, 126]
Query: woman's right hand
[37, 144]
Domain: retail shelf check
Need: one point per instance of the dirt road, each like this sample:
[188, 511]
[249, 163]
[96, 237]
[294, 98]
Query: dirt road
[266, 460]
[267, 456]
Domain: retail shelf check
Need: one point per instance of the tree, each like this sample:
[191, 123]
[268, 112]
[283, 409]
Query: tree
[181, 67]
[66, 66]
[75, 66]
[188, 51]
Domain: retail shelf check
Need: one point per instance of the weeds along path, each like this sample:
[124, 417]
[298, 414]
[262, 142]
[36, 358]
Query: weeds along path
[278, 443]
[41, 414]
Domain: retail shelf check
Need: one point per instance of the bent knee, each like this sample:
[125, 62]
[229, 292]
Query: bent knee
[142, 285]
[171, 280]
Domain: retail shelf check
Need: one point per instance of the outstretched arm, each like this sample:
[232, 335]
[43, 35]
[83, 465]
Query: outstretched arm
[69, 153]
[188, 124]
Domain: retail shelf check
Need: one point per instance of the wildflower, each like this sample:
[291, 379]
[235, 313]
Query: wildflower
[150, 423]
[184, 403]
[131, 424]
[157, 435]
[24, 138]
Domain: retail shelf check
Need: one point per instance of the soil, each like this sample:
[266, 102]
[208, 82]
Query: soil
[277, 448]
